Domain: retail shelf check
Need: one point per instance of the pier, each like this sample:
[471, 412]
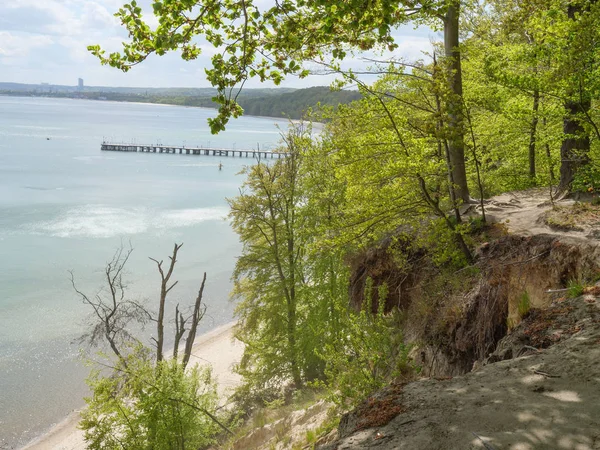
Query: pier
[184, 150]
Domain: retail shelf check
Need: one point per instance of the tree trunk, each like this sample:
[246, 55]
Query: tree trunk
[456, 139]
[443, 142]
[549, 156]
[533, 131]
[575, 147]
[164, 291]
[291, 336]
[292, 300]
[196, 317]
[179, 330]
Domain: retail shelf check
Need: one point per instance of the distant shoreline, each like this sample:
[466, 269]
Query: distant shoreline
[276, 105]
[3, 94]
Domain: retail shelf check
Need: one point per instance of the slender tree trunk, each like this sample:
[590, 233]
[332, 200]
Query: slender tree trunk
[196, 317]
[291, 337]
[549, 156]
[533, 131]
[443, 142]
[457, 236]
[291, 249]
[574, 151]
[179, 330]
[575, 147]
[164, 291]
[456, 140]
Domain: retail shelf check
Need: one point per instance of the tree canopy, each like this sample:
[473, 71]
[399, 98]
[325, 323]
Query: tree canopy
[507, 100]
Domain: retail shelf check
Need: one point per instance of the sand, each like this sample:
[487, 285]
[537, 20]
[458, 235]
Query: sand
[217, 348]
[547, 399]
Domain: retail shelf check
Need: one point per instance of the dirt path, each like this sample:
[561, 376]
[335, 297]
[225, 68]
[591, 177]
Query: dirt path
[548, 400]
[523, 213]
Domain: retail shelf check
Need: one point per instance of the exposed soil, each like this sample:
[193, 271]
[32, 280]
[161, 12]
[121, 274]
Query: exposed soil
[531, 212]
[549, 399]
[517, 365]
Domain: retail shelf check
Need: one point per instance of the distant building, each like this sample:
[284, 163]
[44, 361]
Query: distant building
[80, 84]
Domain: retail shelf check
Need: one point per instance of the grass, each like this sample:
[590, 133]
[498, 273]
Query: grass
[571, 218]
[575, 289]
[524, 305]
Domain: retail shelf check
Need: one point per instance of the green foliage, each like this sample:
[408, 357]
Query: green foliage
[524, 305]
[440, 242]
[370, 353]
[575, 288]
[587, 179]
[145, 406]
[385, 164]
[282, 317]
[267, 44]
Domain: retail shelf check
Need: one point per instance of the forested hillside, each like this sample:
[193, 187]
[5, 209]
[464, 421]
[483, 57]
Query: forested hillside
[366, 251]
[295, 104]
[289, 103]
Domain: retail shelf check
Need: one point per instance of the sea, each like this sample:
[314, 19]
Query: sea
[66, 206]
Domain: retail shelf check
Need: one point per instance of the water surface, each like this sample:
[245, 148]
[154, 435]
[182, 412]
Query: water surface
[65, 205]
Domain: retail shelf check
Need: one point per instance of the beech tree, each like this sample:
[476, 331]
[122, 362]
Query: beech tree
[269, 278]
[548, 50]
[146, 400]
[392, 149]
[273, 43]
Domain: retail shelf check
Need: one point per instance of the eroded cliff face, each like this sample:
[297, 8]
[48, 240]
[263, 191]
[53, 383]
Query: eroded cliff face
[539, 398]
[518, 273]
[460, 321]
[509, 361]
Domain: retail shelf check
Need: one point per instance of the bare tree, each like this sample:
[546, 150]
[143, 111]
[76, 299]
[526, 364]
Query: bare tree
[197, 315]
[165, 288]
[114, 312]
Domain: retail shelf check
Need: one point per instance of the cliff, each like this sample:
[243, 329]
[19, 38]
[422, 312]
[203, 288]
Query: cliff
[512, 359]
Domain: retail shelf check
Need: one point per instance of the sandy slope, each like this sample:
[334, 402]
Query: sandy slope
[216, 348]
[549, 399]
[542, 399]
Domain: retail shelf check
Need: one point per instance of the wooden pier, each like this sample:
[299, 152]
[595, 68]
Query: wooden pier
[184, 150]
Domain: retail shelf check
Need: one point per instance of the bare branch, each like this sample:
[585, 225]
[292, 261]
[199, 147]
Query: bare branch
[199, 311]
[163, 298]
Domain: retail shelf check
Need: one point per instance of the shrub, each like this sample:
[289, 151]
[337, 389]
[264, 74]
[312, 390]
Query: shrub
[524, 305]
[368, 356]
[146, 406]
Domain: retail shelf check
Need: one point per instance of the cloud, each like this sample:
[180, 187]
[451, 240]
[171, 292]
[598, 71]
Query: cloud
[411, 48]
[46, 40]
[20, 44]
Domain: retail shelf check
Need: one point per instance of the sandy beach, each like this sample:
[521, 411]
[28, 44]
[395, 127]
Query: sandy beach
[217, 348]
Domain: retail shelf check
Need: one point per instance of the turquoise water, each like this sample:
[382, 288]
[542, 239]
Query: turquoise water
[64, 205]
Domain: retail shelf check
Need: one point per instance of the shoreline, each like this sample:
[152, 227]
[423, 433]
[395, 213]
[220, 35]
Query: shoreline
[278, 118]
[215, 347]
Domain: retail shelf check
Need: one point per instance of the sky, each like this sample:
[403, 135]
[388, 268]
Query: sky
[44, 41]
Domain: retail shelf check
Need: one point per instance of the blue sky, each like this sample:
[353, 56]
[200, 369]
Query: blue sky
[46, 40]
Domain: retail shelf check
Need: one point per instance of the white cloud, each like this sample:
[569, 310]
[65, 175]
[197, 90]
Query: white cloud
[411, 48]
[19, 45]
[47, 40]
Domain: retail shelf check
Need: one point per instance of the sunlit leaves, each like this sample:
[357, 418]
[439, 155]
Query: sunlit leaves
[269, 44]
